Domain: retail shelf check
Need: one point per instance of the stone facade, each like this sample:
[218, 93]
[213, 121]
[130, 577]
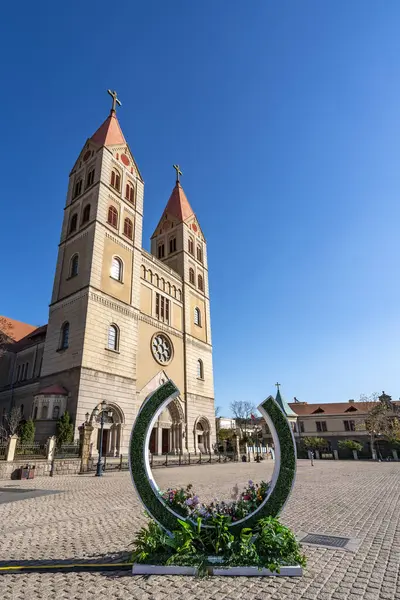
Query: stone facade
[121, 320]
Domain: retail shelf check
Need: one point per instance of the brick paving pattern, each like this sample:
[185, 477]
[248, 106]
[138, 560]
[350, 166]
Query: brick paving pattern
[93, 518]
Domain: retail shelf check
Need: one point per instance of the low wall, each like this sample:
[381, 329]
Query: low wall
[62, 466]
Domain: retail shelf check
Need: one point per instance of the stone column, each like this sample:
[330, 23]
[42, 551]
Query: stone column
[180, 429]
[336, 455]
[51, 447]
[12, 444]
[395, 455]
[176, 449]
[355, 455]
[85, 433]
[159, 440]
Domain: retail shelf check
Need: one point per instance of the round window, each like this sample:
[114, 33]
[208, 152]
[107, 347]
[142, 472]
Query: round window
[161, 347]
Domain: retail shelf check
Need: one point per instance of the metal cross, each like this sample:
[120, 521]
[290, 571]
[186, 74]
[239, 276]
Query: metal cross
[178, 172]
[277, 385]
[115, 100]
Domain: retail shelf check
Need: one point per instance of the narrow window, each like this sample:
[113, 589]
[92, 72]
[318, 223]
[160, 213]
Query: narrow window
[113, 338]
[64, 336]
[115, 180]
[190, 246]
[200, 284]
[18, 372]
[78, 188]
[44, 412]
[128, 228]
[172, 245]
[116, 269]
[346, 425]
[162, 308]
[200, 369]
[35, 413]
[56, 412]
[113, 216]
[197, 316]
[199, 254]
[74, 266]
[21, 410]
[129, 192]
[301, 426]
[86, 214]
[161, 251]
[191, 276]
[73, 223]
[90, 178]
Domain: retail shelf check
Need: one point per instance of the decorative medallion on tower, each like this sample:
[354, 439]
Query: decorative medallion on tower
[161, 347]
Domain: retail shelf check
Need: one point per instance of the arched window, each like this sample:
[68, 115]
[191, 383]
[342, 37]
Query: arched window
[197, 316]
[112, 216]
[115, 179]
[35, 411]
[199, 254]
[73, 223]
[191, 276]
[90, 178]
[86, 214]
[113, 338]
[78, 187]
[190, 246]
[21, 410]
[74, 266]
[56, 412]
[128, 228]
[116, 268]
[200, 369]
[129, 192]
[172, 245]
[143, 271]
[44, 413]
[200, 283]
[64, 336]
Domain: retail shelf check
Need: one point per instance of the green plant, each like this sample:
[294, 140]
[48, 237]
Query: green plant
[27, 432]
[64, 430]
[350, 445]
[313, 443]
[277, 545]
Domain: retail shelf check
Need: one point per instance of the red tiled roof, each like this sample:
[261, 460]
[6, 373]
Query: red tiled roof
[331, 408]
[56, 390]
[109, 133]
[17, 330]
[178, 205]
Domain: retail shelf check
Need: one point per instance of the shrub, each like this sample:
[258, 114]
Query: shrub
[27, 432]
[350, 445]
[64, 430]
[313, 443]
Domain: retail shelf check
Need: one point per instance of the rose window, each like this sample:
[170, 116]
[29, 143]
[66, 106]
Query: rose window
[162, 349]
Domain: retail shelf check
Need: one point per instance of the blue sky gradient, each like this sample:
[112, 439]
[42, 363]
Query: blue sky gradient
[285, 119]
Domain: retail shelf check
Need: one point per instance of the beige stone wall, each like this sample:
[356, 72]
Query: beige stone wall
[80, 244]
[334, 423]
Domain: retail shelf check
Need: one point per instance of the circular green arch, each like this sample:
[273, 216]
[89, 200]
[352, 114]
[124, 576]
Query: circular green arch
[148, 491]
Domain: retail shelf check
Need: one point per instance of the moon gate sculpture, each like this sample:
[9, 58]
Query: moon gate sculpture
[148, 491]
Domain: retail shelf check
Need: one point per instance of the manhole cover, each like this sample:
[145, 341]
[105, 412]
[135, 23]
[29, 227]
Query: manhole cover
[325, 540]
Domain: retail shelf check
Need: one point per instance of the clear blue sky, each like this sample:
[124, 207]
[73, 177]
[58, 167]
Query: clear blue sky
[285, 118]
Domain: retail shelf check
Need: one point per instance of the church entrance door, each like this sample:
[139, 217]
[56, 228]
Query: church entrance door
[165, 444]
[152, 442]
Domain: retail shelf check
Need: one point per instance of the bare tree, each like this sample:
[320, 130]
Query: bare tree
[5, 334]
[10, 423]
[382, 419]
[242, 411]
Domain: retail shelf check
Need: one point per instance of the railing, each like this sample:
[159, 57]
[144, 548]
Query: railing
[68, 451]
[3, 451]
[190, 458]
[31, 450]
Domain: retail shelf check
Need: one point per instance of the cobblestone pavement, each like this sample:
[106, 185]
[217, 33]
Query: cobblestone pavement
[97, 518]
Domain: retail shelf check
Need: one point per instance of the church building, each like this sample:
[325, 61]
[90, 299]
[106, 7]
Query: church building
[121, 320]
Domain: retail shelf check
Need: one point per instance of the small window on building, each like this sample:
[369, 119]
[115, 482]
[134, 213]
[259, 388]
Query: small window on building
[21, 410]
[161, 251]
[294, 426]
[112, 216]
[56, 412]
[199, 254]
[349, 425]
[73, 223]
[162, 308]
[301, 426]
[321, 426]
[86, 214]
[200, 369]
[200, 283]
[113, 338]
[78, 187]
[44, 413]
[74, 266]
[116, 268]
[172, 245]
[115, 179]
[128, 228]
[35, 411]
[64, 336]
[197, 316]
[190, 246]
[191, 276]
[18, 372]
[90, 178]
[129, 192]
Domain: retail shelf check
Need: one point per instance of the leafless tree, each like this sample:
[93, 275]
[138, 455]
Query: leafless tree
[242, 411]
[10, 423]
[382, 419]
[5, 334]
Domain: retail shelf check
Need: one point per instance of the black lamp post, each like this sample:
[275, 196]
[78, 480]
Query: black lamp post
[99, 471]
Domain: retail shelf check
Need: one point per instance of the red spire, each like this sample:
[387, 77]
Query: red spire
[178, 205]
[109, 133]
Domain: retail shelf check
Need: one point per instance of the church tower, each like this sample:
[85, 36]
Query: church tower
[179, 243]
[92, 335]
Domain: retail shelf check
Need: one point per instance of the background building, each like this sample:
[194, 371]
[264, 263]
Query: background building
[121, 320]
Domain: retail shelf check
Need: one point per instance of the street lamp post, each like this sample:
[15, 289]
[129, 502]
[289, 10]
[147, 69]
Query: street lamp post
[99, 471]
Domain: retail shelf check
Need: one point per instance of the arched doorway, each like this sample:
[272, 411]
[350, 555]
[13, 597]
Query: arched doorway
[168, 432]
[201, 433]
[111, 438]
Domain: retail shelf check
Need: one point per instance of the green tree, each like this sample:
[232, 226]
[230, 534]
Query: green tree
[314, 443]
[226, 434]
[350, 445]
[27, 432]
[65, 430]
